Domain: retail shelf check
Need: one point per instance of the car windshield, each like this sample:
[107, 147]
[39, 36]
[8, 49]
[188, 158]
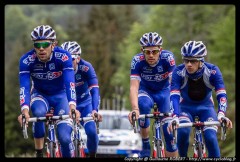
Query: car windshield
[115, 122]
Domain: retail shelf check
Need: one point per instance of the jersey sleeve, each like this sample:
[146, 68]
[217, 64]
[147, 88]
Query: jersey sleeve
[93, 87]
[175, 91]
[25, 83]
[69, 79]
[216, 80]
[135, 72]
[170, 63]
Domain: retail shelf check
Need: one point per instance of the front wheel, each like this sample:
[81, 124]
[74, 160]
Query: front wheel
[158, 150]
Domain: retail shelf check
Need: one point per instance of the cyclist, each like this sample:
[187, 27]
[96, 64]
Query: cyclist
[50, 69]
[87, 90]
[150, 76]
[191, 94]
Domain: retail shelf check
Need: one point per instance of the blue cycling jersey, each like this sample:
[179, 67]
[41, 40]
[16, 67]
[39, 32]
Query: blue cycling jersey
[212, 79]
[155, 77]
[87, 83]
[50, 78]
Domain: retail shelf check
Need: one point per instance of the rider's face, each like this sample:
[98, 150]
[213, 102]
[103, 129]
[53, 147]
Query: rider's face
[152, 54]
[43, 49]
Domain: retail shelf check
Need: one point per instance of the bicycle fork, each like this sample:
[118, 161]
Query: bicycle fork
[78, 143]
[158, 145]
[52, 145]
[199, 148]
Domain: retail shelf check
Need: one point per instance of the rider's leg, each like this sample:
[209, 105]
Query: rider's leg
[183, 135]
[64, 131]
[92, 138]
[39, 108]
[145, 104]
[210, 132]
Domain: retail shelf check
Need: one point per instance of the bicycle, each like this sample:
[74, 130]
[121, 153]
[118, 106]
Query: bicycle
[78, 142]
[158, 144]
[199, 148]
[52, 145]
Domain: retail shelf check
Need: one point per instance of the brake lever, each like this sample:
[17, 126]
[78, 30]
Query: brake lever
[24, 127]
[223, 129]
[174, 131]
[134, 121]
[97, 122]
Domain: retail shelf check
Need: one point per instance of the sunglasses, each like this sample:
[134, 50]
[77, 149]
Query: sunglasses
[41, 44]
[74, 56]
[148, 52]
[191, 61]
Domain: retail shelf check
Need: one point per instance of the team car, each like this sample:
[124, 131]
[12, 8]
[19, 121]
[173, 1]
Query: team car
[116, 135]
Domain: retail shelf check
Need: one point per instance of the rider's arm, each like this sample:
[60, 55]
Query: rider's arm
[25, 82]
[216, 80]
[92, 81]
[175, 92]
[69, 80]
[134, 86]
[135, 81]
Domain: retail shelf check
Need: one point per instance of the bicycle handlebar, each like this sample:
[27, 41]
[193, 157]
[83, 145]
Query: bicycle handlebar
[154, 115]
[208, 123]
[46, 118]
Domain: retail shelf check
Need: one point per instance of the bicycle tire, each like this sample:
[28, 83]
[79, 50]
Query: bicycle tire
[76, 148]
[51, 149]
[159, 148]
[199, 150]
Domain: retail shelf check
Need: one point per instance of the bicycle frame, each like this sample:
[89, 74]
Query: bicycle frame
[199, 147]
[158, 144]
[52, 146]
[77, 137]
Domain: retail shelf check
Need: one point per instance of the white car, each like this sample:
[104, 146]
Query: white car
[116, 136]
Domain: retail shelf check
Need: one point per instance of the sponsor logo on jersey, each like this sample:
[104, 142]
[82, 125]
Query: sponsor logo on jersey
[72, 89]
[147, 69]
[213, 72]
[156, 77]
[84, 68]
[22, 95]
[61, 56]
[78, 76]
[30, 59]
[51, 66]
[47, 76]
[223, 104]
[160, 68]
[171, 60]
[38, 67]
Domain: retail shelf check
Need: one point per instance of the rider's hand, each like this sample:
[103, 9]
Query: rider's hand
[222, 115]
[99, 117]
[169, 128]
[27, 116]
[78, 114]
[130, 115]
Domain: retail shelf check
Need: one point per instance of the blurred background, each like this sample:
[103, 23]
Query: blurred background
[109, 37]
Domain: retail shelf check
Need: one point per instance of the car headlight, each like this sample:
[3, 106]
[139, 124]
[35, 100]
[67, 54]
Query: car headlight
[131, 142]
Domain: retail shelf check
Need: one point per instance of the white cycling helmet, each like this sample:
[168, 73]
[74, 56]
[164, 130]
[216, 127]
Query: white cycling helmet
[43, 32]
[73, 47]
[151, 39]
[194, 49]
